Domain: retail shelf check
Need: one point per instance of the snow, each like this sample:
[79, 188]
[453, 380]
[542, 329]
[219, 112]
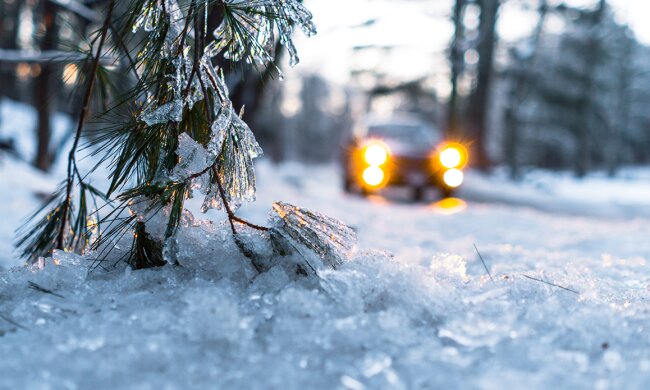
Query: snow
[626, 195]
[20, 186]
[18, 123]
[426, 317]
[412, 307]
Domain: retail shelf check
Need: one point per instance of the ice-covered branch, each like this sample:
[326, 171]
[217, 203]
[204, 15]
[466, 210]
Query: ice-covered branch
[17, 56]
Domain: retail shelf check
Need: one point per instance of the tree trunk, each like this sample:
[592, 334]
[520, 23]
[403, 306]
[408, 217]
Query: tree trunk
[583, 139]
[479, 100]
[456, 60]
[623, 110]
[518, 92]
[9, 21]
[45, 89]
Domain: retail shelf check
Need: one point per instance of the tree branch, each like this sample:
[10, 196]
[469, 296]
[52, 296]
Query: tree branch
[49, 56]
[80, 125]
[231, 215]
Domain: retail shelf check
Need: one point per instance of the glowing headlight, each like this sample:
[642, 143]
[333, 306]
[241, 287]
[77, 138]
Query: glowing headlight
[451, 157]
[375, 154]
[453, 177]
[373, 176]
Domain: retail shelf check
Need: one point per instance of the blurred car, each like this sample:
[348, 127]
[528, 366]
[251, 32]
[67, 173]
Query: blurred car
[402, 153]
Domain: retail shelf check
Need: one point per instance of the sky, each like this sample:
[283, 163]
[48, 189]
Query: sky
[416, 32]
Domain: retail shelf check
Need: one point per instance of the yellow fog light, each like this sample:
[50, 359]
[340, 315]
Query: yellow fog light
[451, 157]
[373, 176]
[375, 154]
[454, 177]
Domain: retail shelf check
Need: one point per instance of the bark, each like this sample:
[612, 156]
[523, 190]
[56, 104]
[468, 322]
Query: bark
[45, 89]
[456, 59]
[480, 96]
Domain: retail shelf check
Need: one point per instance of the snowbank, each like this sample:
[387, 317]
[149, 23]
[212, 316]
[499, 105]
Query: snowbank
[625, 196]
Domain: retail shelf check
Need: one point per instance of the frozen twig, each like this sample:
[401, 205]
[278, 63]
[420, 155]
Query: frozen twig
[231, 214]
[550, 284]
[483, 261]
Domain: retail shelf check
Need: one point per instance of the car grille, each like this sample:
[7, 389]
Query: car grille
[410, 163]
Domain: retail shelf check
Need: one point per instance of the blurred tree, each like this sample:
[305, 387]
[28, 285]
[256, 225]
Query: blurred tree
[581, 106]
[479, 100]
[591, 49]
[9, 23]
[46, 84]
[623, 99]
[520, 72]
[457, 62]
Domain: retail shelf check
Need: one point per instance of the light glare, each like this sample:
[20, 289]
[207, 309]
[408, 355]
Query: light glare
[454, 177]
[451, 157]
[375, 155]
[373, 176]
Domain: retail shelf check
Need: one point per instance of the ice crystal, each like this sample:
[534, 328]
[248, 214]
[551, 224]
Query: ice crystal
[193, 158]
[151, 18]
[172, 111]
[256, 43]
[321, 240]
[185, 91]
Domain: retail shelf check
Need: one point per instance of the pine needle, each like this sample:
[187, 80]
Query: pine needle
[12, 322]
[551, 284]
[483, 261]
[42, 289]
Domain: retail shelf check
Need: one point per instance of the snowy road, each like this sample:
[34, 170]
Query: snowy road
[429, 318]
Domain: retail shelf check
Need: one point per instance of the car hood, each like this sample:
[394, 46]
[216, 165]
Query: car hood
[403, 149]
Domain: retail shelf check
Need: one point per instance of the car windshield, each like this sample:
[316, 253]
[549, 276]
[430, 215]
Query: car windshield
[411, 134]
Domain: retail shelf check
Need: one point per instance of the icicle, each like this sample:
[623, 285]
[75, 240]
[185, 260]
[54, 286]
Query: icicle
[321, 240]
[219, 129]
[176, 21]
[293, 54]
[170, 250]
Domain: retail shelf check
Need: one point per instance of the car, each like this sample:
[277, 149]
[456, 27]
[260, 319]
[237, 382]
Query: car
[402, 153]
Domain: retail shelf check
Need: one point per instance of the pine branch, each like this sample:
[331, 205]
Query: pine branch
[80, 125]
[48, 56]
[186, 100]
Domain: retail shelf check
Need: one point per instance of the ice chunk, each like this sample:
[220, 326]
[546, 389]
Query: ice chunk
[172, 111]
[193, 158]
[311, 233]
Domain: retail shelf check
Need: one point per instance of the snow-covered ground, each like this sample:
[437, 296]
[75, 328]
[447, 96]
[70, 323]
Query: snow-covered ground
[427, 317]
[565, 304]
